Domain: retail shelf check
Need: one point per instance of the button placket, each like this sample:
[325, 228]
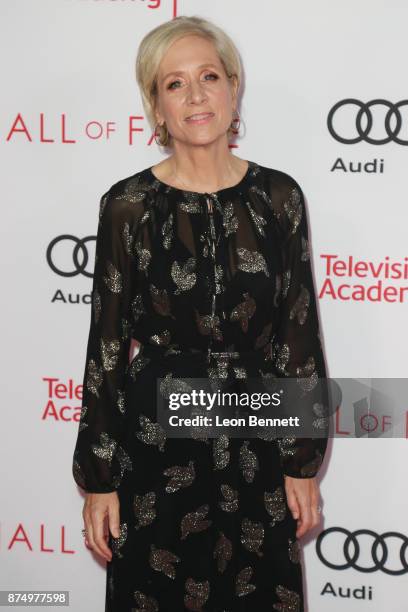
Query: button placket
[212, 241]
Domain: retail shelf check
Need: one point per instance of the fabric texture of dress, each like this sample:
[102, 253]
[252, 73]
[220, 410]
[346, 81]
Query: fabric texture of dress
[220, 291]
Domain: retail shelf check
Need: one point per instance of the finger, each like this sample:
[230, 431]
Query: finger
[293, 503]
[89, 534]
[87, 543]
[86, 534]
[87, 526]
[314, 501]
[98, 529]
[305, 520]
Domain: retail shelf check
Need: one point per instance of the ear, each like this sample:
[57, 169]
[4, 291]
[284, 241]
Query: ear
[159, 119]
[157, 115]
[234, 87]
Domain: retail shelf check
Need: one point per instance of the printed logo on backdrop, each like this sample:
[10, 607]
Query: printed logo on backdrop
[350, 278]
[74, 251]
[67, 256]
[363, 550]
[93, 129]
[150, 4]
[362, 126]
[375, 122]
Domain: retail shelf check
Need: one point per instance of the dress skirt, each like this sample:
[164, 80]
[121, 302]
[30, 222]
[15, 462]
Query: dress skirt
[204, 522]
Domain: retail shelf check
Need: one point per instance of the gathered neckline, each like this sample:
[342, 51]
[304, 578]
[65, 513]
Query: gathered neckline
[202, 193]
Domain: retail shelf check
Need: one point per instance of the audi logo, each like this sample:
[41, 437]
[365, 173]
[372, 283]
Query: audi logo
[378, 554]
[364, 110]
[79, 246]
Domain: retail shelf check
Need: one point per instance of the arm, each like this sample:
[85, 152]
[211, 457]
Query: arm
[99, 461]
[298, 351]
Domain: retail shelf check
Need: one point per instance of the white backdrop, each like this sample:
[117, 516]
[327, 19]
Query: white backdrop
[69, 97]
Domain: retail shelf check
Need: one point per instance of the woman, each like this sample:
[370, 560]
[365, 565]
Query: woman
[204, 260]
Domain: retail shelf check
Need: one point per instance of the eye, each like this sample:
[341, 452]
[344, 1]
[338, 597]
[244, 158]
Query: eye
[170, 86]
[210, 74]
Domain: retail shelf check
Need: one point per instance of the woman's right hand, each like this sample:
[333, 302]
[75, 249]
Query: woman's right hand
[97, 507]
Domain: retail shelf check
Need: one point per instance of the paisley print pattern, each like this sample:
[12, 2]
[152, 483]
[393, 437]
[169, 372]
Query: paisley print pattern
[219, 286]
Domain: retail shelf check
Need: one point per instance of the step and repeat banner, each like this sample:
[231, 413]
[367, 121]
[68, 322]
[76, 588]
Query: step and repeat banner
[325, 99]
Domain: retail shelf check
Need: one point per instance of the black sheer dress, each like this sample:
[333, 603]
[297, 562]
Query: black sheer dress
[212, 285]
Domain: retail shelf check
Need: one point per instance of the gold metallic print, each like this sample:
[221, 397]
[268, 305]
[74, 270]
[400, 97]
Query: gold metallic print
[205, 281]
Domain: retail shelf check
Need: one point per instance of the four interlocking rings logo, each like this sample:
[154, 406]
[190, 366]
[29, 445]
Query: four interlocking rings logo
[379, 552]
[80, 246]
[393, 114]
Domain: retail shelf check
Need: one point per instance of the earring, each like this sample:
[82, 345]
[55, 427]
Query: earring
[163, 140]
[235, 128]
[157, 133]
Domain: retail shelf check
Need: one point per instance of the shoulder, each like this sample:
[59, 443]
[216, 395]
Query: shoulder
[126, 199]
[279, 185]
[285, 198]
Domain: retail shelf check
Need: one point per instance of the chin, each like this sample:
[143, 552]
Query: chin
[204, 138]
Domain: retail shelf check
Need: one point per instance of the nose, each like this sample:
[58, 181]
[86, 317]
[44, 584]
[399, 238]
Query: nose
[196, 92]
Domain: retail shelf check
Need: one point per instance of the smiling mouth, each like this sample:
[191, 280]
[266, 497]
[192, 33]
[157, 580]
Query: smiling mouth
[199, 116]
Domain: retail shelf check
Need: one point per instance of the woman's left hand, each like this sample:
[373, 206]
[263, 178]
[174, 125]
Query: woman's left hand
[303, 500]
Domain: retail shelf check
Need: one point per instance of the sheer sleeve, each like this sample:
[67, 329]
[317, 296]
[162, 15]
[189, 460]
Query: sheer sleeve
[298, 350]
[99, 461]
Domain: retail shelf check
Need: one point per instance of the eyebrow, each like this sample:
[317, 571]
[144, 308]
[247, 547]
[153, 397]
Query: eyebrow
[181, 72]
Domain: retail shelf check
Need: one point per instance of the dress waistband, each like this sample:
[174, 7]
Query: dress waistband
[207, 354]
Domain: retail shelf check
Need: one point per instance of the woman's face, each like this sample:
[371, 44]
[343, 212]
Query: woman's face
[192, 80]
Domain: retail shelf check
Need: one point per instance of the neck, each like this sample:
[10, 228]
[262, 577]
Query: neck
[199, 170]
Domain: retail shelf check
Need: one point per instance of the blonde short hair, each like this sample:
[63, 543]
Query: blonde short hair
[155, 44]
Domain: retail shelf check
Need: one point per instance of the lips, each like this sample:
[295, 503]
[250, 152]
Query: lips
[198, 116]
